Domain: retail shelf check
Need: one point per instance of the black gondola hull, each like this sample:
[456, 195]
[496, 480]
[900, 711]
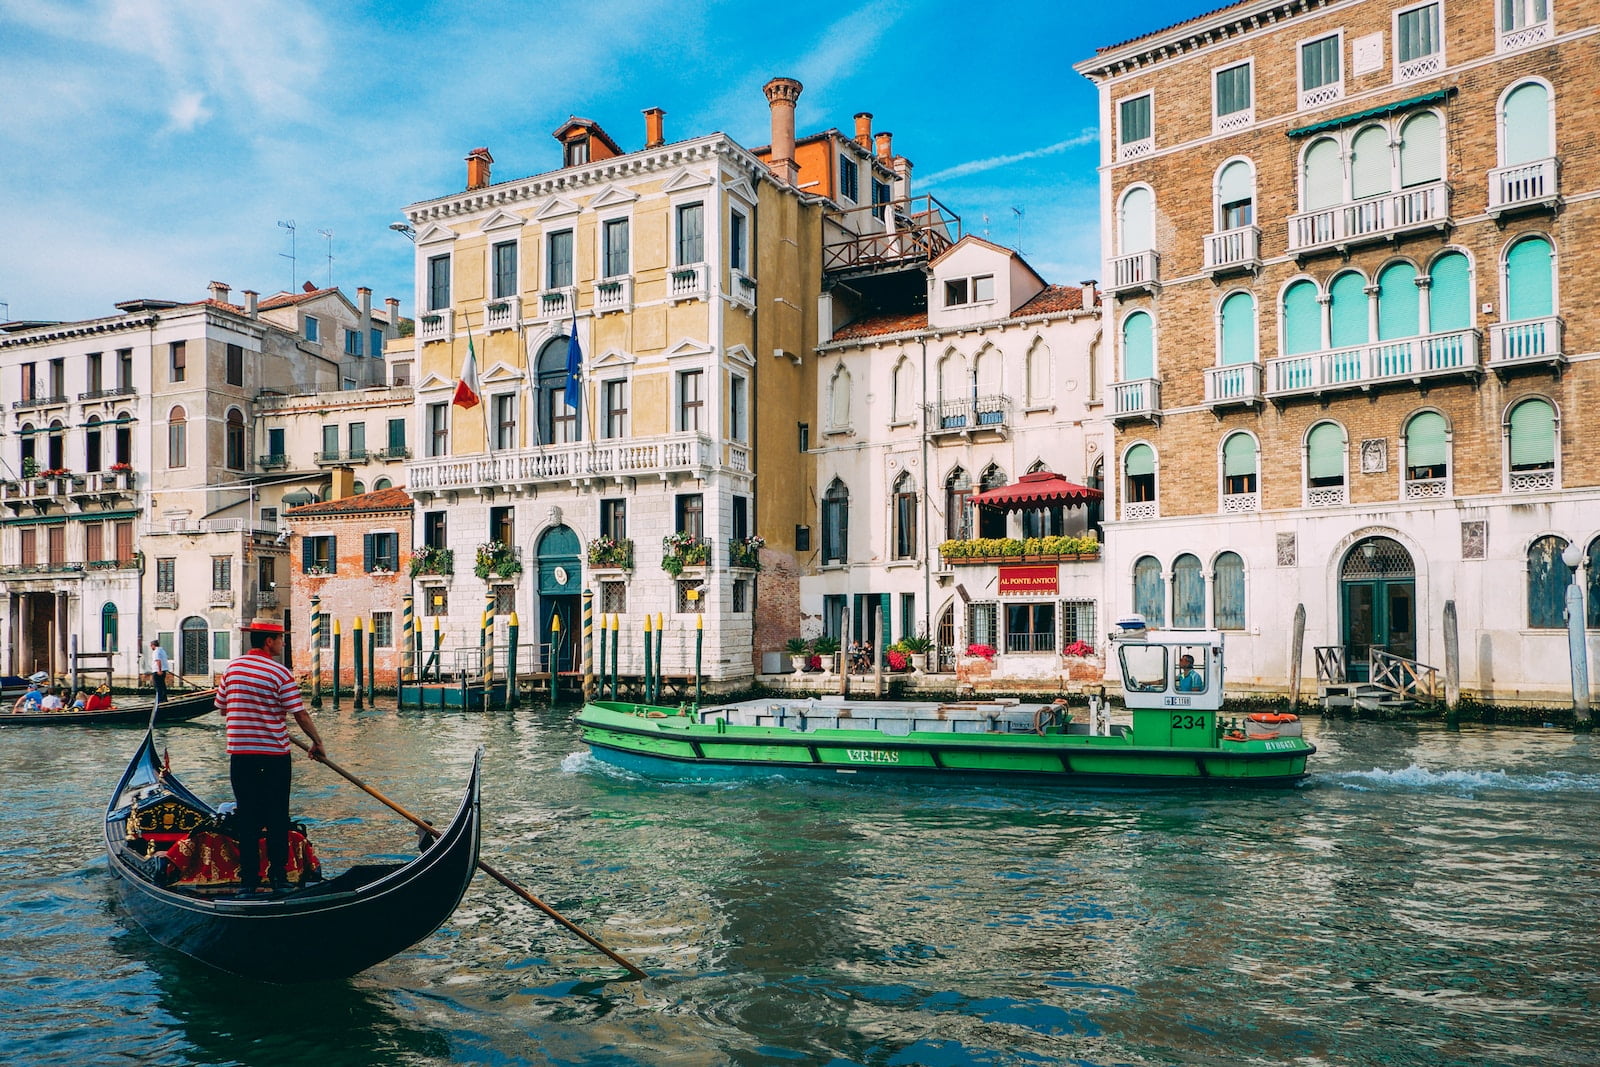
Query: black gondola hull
[329, 930]
[174, 709]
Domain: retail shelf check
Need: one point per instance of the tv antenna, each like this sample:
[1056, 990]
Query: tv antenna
[985, 225]
[293, 272]
[1018, 212]
[329, 235]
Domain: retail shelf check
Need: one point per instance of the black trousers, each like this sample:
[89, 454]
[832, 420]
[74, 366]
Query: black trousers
[261, 790]
[159, 680]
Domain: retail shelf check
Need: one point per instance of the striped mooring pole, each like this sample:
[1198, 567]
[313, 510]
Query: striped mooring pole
[588, 645]
[316, 651]
[411, 644]
[486, 645]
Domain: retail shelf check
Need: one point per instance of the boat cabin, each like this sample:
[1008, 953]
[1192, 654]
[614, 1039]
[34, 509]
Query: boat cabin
[1171, 682]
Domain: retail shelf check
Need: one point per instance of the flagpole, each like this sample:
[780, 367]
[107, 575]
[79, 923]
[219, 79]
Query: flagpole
[472, 349]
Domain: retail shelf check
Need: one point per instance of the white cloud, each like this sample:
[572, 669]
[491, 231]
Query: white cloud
[977, 166]
[188, 111]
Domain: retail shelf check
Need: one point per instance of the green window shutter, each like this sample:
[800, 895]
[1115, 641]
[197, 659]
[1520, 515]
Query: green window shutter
[1138, 347]
[1235, 183]
[1449, 294]
[308, 555]
[1425, 440]
[1141, 459]
[1137, 233]
[1133, 120]
[333, 553]
[1420, 144]
[1325, 452]
[368, 553]
[1324, 180]
[1233, 89]
[1302, 319]
[1348, 310]
[1399, 302]
[1533, 435]
[1369, 163]
[1238, 455]
[1528, 289]
[1238, 329]
[1526, 124]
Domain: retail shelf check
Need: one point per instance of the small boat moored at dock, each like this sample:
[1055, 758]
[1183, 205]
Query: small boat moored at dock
[173, 709]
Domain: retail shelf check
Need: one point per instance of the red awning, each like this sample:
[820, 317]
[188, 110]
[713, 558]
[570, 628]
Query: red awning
[1039, 489]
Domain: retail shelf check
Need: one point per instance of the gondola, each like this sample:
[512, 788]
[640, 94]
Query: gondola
[173, 709]
[315, 930]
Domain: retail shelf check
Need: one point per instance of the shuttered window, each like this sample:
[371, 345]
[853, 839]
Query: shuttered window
[1228, 592]
[1399, 303]
[1528, 289]
[1140, 467]
[1324, 176]
[1150, 591]
[1302, 319]
[1319, 63]
[1188, 593]
[1369, 163]
[1420, 150]
[1138, 347]
[1347, 310]
[1140, 460]
[1425, 446]
[1525, 125]
[1233, 89]
[1138, 234]
[1133, 120]
[1238, 329]
[1449, 294]
[1417, 33]
[1325, 455]
[1239, 464]
[1533, 436]
[1235, 196]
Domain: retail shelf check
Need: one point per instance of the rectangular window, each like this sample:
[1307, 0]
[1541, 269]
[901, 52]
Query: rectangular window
[504, 255]
[380, 551]
[905, 524]
[269, 517]
[741, 595]
[880, 197]
[1233, 90]
[1030, 627]
[124, 368]
[1417, 34]
[319, 555]
[435, 601]
[352, 342]
[275, 445]
[124, 534]
[397, 438]
[690, 515]
[804, 439]
[58, 545]
[558, 260]
[1520, 14]
[614, 397]
[94, 541]
[1319, 69]
[736, 241]
[356, 434]
[30, 382]
[802, 538]
[1133, 120]
[377, 343]
[614, 519]
[221, 644]
[741, 518]
[835, 606]
[383, 629]
[983, 288]
[1077, 622]
[691, 247]
[235, 365]
[58, 376]
[505, 599]
[691, 399]
[434, 529]
[166, 575]
[330, 442]
[908, 614]
[955, 292]
[221, 574]
[614, 598]
[576, 151]
[28, 545]
[502, 524]
[313, 328]
[438, 283]
[178, 366]
[849, 179]
[322, 627]
[505, 420]
[96, 374]
[691, 596]
[439, 429]
[983, 624]
[614, 258]
[737, 404]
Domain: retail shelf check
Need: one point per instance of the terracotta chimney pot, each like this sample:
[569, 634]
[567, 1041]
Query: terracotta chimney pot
[478, 161]
[654, 135]
[781, 96]
[864, 129]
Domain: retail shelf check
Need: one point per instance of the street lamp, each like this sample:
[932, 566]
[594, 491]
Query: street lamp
[405, 230]
[1572, 556]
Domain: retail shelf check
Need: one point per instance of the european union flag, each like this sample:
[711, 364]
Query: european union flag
[574, 389]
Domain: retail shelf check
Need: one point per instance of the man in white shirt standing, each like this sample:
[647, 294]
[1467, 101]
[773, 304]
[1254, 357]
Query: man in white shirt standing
[160, 664]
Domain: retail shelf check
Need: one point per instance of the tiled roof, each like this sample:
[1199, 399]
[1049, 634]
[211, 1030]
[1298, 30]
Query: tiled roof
[876, 325]
[278, 300]
[1052, 298]
[1168, 29]
[396, 499]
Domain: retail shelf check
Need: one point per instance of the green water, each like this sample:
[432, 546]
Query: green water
[1426, 897]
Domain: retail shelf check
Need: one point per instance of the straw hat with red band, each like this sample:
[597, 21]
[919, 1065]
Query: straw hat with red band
[263, 626]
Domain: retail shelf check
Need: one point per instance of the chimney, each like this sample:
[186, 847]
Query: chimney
[902, 178]
[478, 161]
[250, 302]
[781, 96]
[654, 137]
[392, 327]
[219, 291]
[342, 483]
[885, 152]
[864, 129]
[1087, 289]
[364, 309]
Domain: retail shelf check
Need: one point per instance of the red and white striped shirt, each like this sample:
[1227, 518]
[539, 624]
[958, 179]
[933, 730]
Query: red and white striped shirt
[257, 694]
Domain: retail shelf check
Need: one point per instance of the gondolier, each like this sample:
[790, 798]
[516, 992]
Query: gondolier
[257, 694]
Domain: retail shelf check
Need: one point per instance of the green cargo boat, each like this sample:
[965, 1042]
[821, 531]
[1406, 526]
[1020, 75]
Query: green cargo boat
[1177, 734]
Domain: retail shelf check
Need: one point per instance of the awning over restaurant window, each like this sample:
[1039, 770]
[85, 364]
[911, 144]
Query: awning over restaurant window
[1039, 489]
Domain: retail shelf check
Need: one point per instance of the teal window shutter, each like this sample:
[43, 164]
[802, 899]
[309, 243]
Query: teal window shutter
[1233, 89]
[1526, 124]
[1137, 228]
[1239, 455]
[1369, 163]
[1138, 347]
[1228, 591]
[1188, 593]
[1141, 459]
[1533, 436]
[1324, 180]
[1348, 310]
[1302, 319]
[1238, 329]
[1420, 150]
[1528, 289]
[1235, 184]
[1425, 440]
[1449, 294]
[1399, 303]
[1325, 452]
[1134, 120]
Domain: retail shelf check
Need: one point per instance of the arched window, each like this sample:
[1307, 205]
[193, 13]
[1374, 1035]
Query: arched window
[1150, 591]
[903, 504]
[1188, 593]
[1136, 221]
[1302, 319]
[56, 446]
[1427, 447]
[235, 439]
[904, 400]
[1369, 163]
[1593, 597]
[1227, 592]
[1235, 196]
[1530, 290]
[1138, 347]
[1039, 370]
[987, 387]
[177, 438]
[839, 399]
[1449, 293]
[1325, 462]
[1238, 467]
[835, 523]
[194, 657]
[558, 423]
[1548, 578]
[108, 628]
[1531, 444]
[957, 505]
[1323, 183]
[1139, 467]
[1347, 311]
[382, 483]
[991, 521]
[1421, 150]
[28, 450]
[1399, 303]
[1238, 329]
[1525, 125]
[92, 445]
[357, 488]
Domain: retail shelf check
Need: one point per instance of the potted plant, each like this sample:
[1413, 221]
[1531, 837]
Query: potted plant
[827, 648]
[746, 552]
[799, 650]
[496, 559]
[607, 551]
[917, 647]
[680, 550]
[430, 559]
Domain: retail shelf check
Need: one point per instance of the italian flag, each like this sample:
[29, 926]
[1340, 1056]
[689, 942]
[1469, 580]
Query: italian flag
[468, 392]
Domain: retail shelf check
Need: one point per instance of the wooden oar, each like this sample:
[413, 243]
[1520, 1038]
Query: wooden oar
[428, 828]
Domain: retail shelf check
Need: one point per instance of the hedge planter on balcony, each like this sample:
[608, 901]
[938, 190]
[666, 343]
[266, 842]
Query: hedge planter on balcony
[992, 550]
[430, 560]
[496, 560]
[614, 552]
[680, 550]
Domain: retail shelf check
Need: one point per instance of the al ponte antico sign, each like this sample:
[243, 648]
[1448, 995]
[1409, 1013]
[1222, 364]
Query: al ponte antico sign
[1034, 579]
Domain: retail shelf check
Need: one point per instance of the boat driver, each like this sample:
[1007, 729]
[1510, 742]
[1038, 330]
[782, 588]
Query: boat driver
[1188, 680]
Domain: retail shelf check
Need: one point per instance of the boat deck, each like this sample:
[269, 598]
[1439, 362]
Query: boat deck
[890, 718]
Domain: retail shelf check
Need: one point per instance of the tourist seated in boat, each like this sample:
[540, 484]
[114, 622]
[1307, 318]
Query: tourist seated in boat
[1188, 680]
[52, 699]
[31, 700]
[99, 700]
[80, 701]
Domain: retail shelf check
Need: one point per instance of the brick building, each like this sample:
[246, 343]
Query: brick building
[1347, 242]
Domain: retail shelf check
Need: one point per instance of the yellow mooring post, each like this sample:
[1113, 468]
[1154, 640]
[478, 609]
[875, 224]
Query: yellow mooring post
[338, 641]
[555, 656]
[616, 638]
[511, 662]
[649, 648]
[359, 643]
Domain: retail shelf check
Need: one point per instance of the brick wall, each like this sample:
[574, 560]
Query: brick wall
[349, 591]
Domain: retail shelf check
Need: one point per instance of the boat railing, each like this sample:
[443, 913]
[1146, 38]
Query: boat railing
[1405, 678]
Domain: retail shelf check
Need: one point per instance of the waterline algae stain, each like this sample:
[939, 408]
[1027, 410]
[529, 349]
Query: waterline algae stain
[1413, 901]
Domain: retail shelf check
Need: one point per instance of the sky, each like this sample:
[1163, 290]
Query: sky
[147, 149]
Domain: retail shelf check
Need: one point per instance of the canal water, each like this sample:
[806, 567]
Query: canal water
[1427, 897]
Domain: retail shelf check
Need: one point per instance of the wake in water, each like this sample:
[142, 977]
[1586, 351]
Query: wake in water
[1464, 783]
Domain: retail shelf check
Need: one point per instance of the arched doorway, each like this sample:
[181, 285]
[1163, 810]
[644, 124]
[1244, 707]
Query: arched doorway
[193, 657]
[560, 582]
[1377, 602]
[944, 640]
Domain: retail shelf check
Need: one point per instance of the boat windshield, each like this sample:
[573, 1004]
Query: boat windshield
[1144, 667]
